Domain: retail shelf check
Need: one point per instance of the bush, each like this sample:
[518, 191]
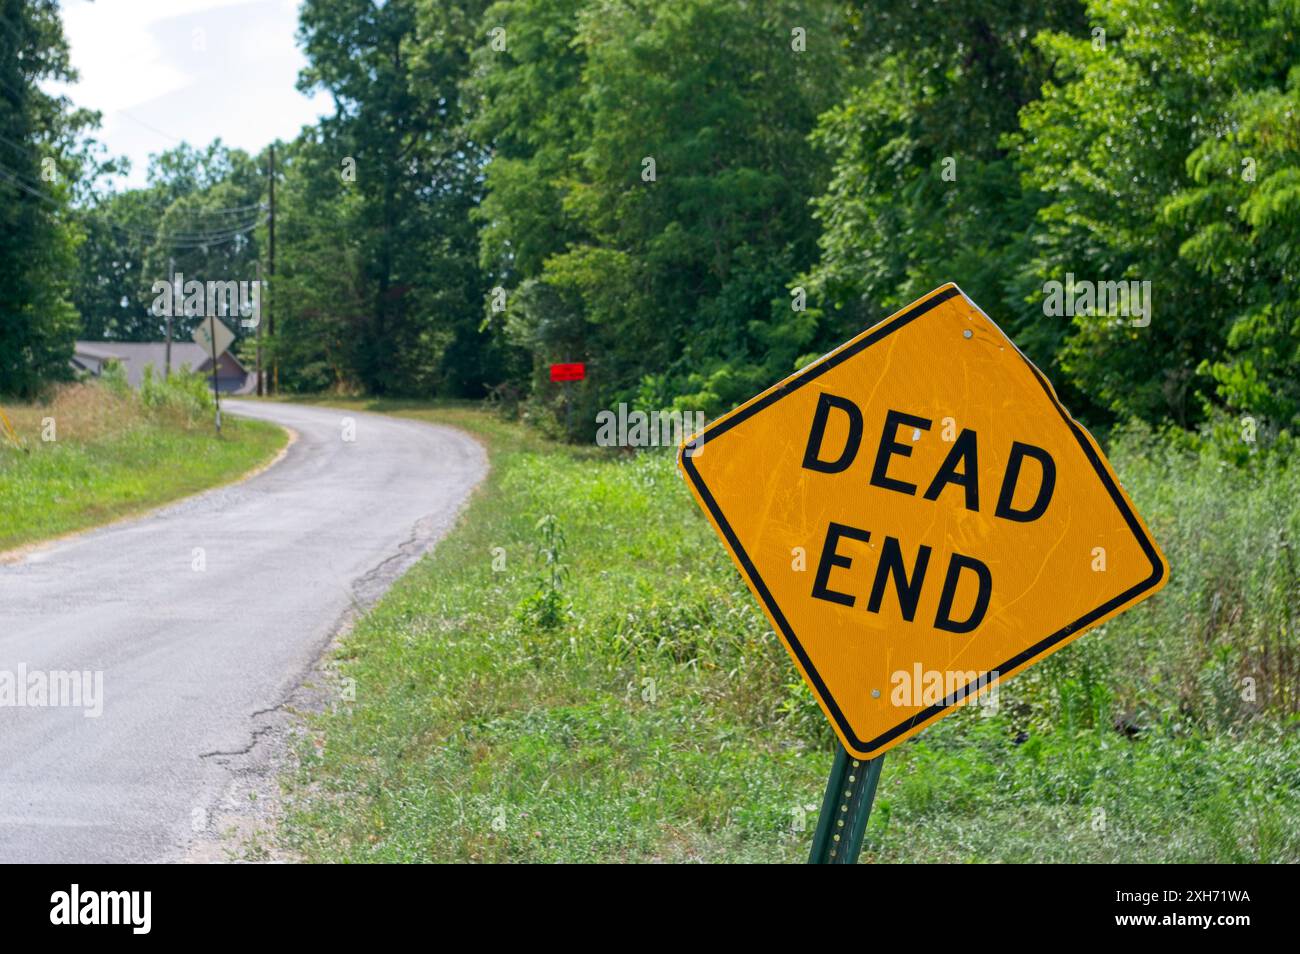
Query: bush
[113, 377]
[184, 393]
[1219, 647]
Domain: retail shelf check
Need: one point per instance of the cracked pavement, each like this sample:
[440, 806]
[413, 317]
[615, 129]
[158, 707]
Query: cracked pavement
[190, 657]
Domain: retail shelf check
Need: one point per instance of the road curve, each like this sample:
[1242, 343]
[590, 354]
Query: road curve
[199, 616]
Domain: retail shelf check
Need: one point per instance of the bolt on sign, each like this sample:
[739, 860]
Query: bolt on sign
[918, 504]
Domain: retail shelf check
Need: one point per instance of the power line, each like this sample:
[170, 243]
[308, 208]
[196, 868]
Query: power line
[16, 145]
[179, 240]
[15, 174]
[9, 26]
[119, 112]
[153, 129]
[236, 208]
[198, 238]
[201, 237]
[181, 243]
[214, 229]
[14, 179]
[185, 236]
[193, 215]
[20, 93]
[198, 215]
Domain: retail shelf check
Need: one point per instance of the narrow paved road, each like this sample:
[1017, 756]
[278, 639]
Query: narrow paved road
[189, 655]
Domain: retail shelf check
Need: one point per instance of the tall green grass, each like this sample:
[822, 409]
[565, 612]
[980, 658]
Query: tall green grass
[651, 715]
[96, 451]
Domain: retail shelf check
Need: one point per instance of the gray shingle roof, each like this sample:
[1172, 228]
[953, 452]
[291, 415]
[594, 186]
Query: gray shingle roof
[135, 355]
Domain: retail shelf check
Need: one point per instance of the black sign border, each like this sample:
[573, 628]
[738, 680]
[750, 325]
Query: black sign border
[811, 373]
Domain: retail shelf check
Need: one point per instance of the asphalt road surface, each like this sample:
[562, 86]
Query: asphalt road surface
[199, 616]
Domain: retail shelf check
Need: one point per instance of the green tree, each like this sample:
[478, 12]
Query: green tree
[395, 72]
[649, 186]
[1136, 145]
[924, 190]
[199, 216]
[320, 298]
[39, 165]
[527, 87]
[1241, 219]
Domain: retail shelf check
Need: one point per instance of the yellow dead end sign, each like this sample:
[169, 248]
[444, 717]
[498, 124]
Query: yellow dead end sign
[920, 519]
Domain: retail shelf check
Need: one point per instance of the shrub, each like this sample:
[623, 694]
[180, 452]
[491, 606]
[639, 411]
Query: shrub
[184, 393]
[113, 377]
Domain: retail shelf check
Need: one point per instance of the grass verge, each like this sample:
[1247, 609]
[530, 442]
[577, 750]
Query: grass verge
[600, 687]
[94, 453]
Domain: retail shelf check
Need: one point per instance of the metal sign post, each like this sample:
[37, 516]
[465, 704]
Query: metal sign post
[216, 393]
[846, 807]
[207, 334]
[956, 515]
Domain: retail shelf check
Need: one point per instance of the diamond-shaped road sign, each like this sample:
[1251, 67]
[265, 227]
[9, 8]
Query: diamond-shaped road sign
[920, 518]
[212, 326]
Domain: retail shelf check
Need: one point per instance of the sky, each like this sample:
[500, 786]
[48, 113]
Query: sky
[162, 71]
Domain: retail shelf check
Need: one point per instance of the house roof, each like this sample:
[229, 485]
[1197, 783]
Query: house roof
[97, 349]
[135, 355]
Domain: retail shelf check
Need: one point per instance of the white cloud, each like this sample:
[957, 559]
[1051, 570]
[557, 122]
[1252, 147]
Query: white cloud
[167, 70]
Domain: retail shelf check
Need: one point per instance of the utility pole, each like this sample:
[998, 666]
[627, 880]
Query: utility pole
[261, 390]
[270, 274]
[216, 391]
[171, 280]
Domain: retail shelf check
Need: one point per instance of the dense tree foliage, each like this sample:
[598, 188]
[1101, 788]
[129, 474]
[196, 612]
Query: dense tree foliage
[925, 187]
[1140, 144]
[197, 219]
[39, 165]
[668, 144]
[696, 196]
[408, 179]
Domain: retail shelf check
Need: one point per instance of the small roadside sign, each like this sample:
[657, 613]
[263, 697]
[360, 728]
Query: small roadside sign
[213, 336]
[920, 519]
[573, 371]
[566, 373]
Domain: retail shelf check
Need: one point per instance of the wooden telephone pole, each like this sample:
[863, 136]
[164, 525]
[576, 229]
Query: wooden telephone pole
[167, 352]
[261, 380]
[270, 274]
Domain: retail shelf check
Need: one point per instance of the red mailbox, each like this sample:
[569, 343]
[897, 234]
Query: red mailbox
[575, 371]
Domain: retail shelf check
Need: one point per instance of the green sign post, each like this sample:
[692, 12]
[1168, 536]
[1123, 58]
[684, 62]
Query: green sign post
[846, 807]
